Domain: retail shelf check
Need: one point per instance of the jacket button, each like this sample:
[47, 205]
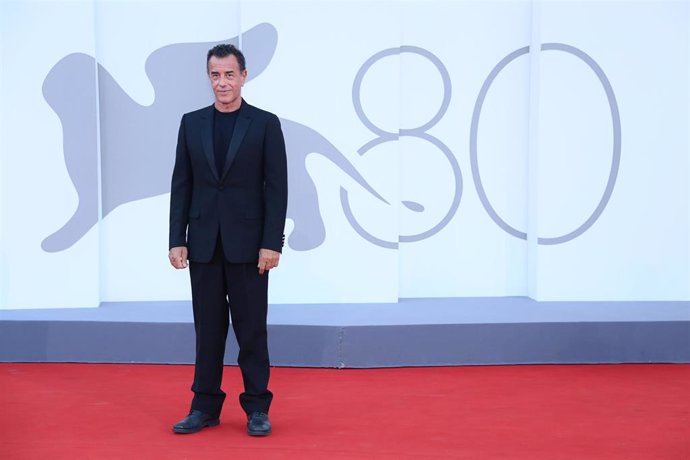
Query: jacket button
[220, 187]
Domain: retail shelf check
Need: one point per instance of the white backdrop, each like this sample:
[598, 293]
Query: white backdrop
[412, 120]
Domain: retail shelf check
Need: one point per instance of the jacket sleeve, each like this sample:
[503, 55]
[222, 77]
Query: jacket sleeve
[180, 191]
[275, 186]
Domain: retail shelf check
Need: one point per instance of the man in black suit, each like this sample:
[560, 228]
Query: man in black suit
[228, 203]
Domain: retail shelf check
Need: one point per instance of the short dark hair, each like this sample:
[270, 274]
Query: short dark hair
[223, 50]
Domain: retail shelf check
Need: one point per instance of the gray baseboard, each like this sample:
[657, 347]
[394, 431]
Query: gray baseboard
[413, 332]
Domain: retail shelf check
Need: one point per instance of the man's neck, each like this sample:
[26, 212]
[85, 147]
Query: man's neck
[231, 107]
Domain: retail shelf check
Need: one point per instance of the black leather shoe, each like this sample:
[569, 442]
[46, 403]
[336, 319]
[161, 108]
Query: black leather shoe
[195, 421]
[258, 424]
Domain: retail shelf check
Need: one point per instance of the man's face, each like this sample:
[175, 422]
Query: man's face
[226, 80]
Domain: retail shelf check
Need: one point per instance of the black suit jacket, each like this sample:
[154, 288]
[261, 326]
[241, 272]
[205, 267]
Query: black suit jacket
[246, 202]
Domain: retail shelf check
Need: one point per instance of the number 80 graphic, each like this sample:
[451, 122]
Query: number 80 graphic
[421, 133]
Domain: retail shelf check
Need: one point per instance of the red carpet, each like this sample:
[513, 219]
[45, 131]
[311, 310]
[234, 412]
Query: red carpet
[106, 411]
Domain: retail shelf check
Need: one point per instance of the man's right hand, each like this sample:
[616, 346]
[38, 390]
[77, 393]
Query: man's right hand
[178, 257]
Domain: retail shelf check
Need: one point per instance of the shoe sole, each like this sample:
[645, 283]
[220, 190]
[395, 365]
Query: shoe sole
[258, 433]
[209, 423]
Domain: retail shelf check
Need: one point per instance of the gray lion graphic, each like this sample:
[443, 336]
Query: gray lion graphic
[137, 142]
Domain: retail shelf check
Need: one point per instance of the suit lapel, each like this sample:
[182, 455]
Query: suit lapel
[241, 127]
[207, 139]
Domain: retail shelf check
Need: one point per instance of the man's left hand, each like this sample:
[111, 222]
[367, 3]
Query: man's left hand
[268, 259]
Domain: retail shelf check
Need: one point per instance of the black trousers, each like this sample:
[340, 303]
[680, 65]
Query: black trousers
[221, 290]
